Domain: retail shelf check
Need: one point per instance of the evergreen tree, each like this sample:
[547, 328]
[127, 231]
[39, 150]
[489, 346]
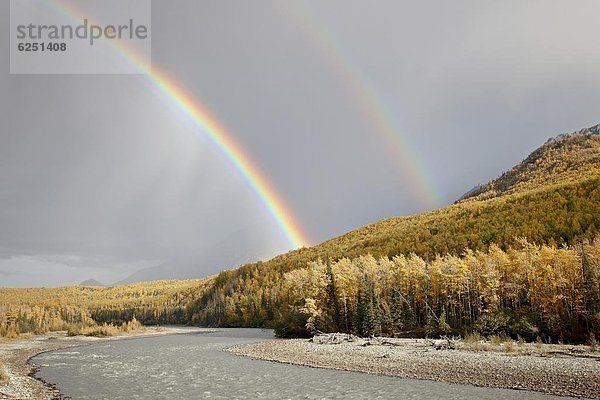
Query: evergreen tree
[333, 302]
[402, 313]
[368, 311]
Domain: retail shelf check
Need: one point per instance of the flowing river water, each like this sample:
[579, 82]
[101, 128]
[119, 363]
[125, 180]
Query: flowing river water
[194, 366]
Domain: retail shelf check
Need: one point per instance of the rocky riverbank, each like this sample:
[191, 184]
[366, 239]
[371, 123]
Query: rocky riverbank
[554, 369]
[19, 382]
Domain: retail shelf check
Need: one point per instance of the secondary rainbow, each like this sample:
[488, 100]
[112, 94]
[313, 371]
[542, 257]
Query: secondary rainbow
[420, 182]
[222, 139]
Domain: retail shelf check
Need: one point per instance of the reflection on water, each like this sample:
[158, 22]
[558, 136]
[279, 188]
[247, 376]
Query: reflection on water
[194, 366]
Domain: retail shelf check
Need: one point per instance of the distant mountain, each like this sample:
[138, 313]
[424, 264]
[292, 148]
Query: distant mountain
[244, 246]
[91, 282]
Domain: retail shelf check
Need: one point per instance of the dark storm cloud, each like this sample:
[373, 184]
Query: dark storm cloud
[101, 175]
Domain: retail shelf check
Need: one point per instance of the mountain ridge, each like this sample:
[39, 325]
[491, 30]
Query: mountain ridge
[226, 253]
[555, 157]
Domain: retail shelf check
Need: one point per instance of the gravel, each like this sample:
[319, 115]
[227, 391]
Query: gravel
[554, 372]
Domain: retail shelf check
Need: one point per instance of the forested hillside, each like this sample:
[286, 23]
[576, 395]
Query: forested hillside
[551, 199]
[77, 307]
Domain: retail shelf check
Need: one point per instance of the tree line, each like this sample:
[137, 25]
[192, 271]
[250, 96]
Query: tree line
[526, 291]
[96, 310]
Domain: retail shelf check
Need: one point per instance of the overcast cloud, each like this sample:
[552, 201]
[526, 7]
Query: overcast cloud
[101, 175]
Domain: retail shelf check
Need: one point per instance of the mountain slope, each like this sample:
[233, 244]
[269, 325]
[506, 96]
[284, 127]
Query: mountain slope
[560, 160]
[551, 196]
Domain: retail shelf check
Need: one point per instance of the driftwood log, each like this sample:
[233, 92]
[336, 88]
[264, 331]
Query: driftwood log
[445, 343]
[333, 338]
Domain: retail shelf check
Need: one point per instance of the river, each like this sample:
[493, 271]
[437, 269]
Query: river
[194, 366]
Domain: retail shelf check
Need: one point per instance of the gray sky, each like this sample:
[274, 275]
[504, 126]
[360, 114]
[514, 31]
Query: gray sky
[102, 175]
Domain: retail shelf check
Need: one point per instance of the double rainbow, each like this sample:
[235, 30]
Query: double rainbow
[420, 183]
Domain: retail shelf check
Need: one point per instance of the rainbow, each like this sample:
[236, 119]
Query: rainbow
[419, 180]
[219, 136]
[242, 162]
